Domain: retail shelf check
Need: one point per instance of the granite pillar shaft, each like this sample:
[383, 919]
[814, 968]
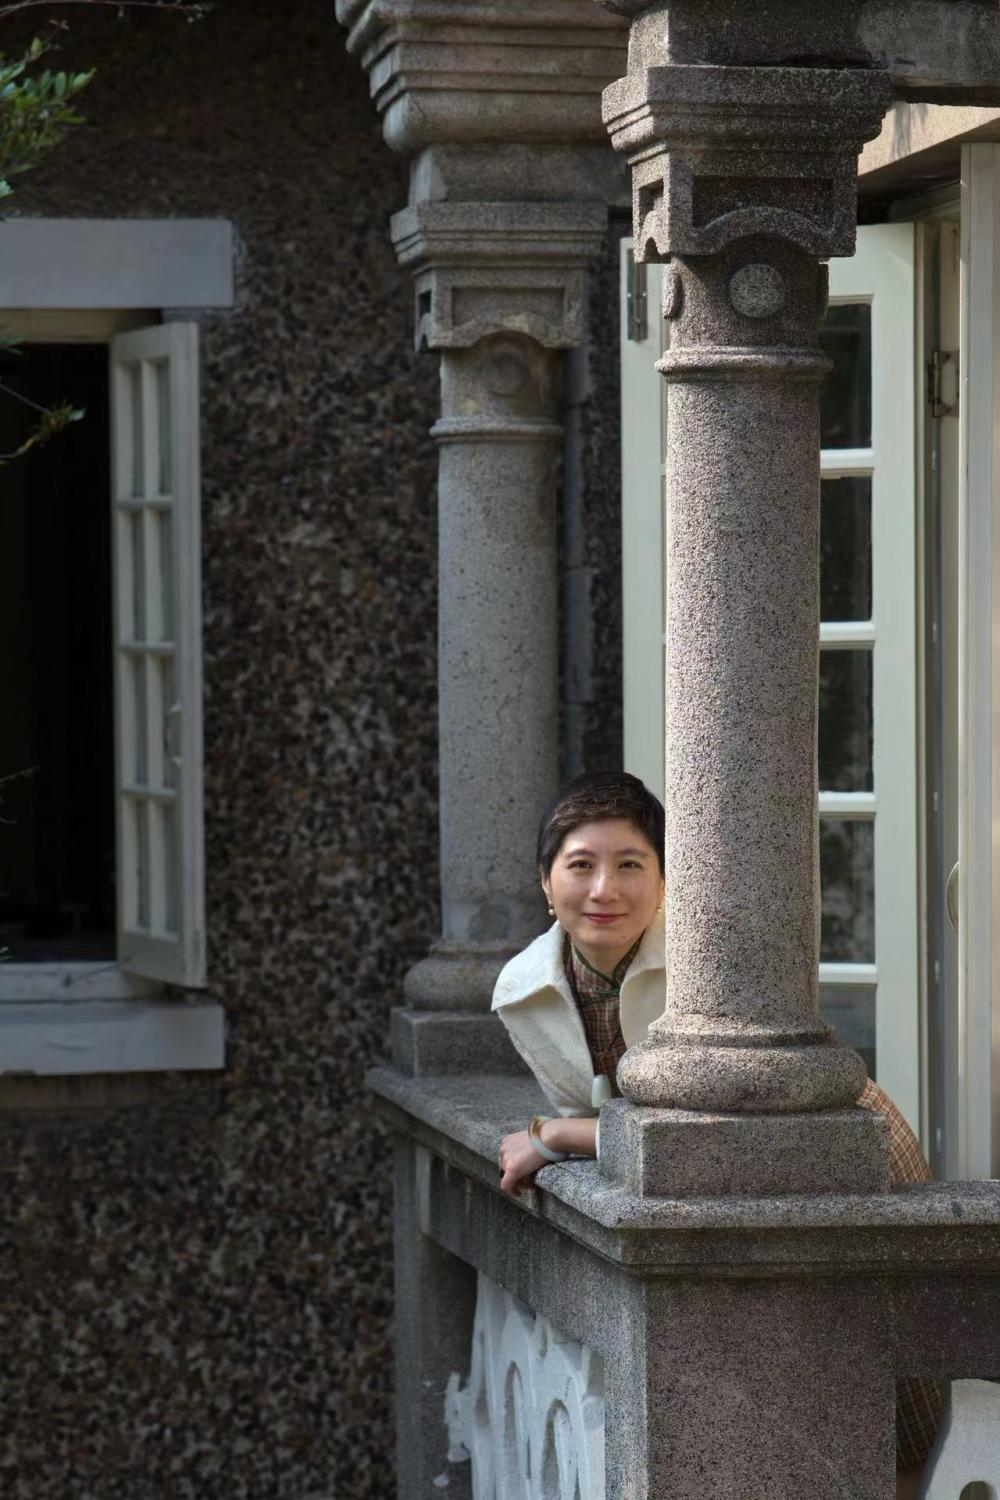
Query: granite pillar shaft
[498, 658]
[741, 1029]
[497, 647]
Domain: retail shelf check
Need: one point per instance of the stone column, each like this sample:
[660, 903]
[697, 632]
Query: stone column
[510, 181]
[499, 291]
[743, 180]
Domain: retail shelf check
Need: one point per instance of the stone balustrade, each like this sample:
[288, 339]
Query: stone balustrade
[739, 1336]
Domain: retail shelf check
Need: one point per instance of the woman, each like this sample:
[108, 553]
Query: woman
[592, 985]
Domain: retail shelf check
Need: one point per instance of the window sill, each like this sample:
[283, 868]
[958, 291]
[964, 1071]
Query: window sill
[51, 1038]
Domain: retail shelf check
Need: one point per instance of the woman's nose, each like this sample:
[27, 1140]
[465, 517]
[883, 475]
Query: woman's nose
[603, 888]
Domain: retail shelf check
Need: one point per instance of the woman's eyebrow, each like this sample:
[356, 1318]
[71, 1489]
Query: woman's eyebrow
[618, 853]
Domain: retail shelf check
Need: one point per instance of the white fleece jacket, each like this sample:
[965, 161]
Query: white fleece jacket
[534, 1001]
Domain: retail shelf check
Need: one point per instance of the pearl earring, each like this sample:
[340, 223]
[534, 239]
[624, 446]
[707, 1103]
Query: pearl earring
[552, 911]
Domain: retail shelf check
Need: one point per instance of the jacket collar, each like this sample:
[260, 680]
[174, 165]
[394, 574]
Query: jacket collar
[540, 966]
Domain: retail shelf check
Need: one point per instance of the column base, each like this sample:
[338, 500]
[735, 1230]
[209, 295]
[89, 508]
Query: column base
[457, 976]
[668, 1074]
[426, 1043]
[674, 1153]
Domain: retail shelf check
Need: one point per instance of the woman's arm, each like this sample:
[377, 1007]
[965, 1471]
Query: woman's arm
[519, 1160]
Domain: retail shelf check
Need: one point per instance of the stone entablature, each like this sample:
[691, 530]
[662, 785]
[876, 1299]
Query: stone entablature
[944, 50]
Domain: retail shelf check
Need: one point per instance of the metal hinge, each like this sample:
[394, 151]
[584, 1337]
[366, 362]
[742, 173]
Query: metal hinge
[637, 322]
[943, 382]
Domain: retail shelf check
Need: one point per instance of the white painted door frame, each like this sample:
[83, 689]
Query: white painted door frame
[976, 1153]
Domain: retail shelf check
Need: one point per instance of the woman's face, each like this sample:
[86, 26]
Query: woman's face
[605, 886]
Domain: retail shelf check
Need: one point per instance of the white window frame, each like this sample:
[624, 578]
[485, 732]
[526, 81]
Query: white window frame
[888, 282]
[976, 1153]
[882, 273]
[156, 546]
[82, 280]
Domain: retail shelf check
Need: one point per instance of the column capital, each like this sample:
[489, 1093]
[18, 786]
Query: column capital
[491, 268]
[725, 153]
[474, 71]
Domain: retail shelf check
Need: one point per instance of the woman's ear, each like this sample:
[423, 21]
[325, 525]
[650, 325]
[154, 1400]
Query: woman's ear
[546, 886]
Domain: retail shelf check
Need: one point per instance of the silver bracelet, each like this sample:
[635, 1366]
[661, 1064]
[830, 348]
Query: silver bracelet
[537, 1144]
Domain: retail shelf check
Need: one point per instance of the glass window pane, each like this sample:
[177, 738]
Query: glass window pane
[847, 871]
[845, 721]
[850, 1010]
[171, 725]
[138, 578]
[135, 412]
[137, 668]
[141, 893]
[846, 413]
[164, 540]
[171, 865]
[845, 571]
[165, 476]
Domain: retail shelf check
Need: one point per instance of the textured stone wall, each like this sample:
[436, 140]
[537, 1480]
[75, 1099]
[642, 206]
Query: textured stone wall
[194, 1273]
[195, 1284]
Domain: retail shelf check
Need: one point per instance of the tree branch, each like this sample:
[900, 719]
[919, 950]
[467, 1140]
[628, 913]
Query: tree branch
[193, 8]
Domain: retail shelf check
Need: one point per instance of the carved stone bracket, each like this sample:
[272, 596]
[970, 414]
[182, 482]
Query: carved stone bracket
[489, 268]
[720, 154]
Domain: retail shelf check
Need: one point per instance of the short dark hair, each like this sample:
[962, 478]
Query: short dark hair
[594, 796]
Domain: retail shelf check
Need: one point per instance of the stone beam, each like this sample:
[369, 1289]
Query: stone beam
[942, 50]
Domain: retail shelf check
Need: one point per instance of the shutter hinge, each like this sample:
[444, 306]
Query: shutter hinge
[637, 322]
[942, 382]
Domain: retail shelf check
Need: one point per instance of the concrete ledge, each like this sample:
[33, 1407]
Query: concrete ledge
[428, 1043]
[143, 263]
[53, 1038]
[460, 1120]
[675, 1153]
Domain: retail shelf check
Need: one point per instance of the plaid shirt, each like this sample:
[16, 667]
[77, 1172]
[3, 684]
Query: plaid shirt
[919, 1401]
[597, 997]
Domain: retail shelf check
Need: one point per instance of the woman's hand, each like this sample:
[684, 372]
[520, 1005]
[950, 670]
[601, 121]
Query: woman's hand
[519, 1161]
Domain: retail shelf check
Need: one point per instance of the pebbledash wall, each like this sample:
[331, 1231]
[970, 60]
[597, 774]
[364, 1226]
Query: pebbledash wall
[195, 1273]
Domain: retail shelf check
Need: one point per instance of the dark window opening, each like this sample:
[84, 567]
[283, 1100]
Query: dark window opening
[57, 843]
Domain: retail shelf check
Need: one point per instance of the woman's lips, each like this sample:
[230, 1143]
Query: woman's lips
[602, 917]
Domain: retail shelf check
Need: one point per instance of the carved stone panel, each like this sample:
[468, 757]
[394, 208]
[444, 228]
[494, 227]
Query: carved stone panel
[531, 1417]
[489, 268]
